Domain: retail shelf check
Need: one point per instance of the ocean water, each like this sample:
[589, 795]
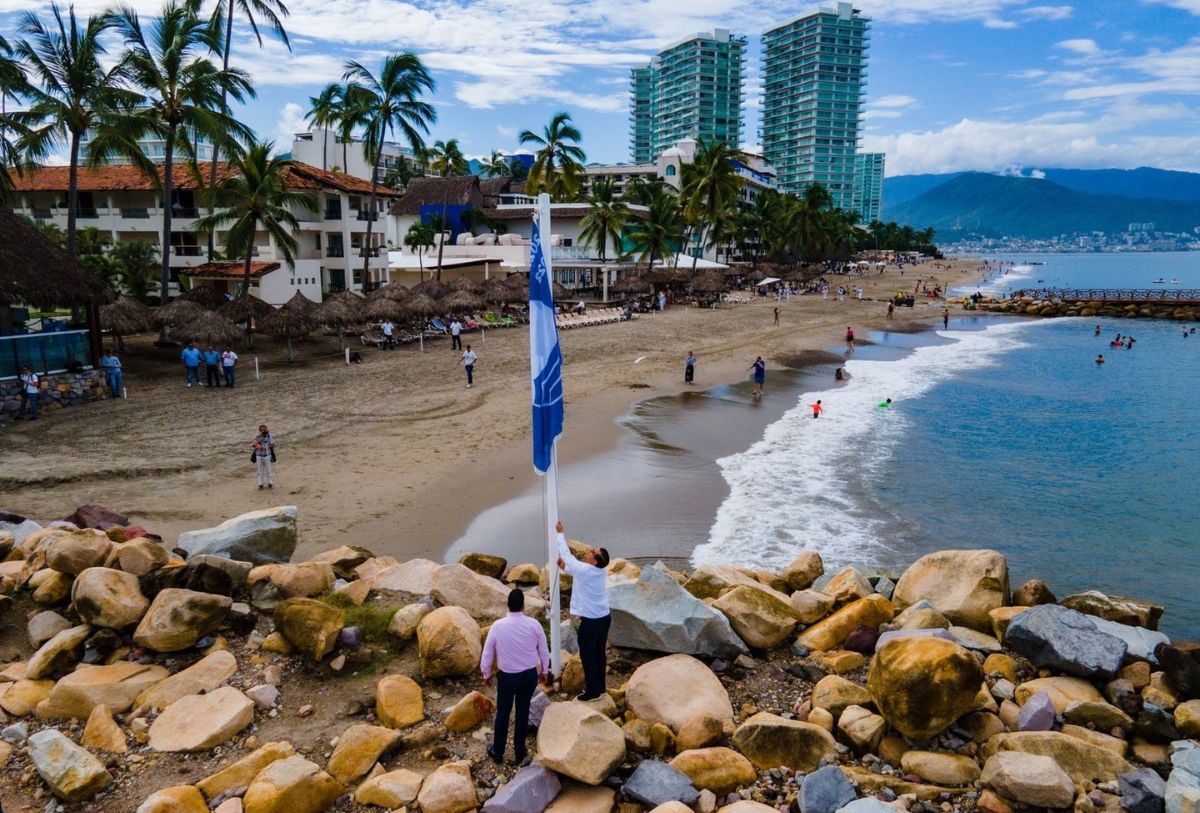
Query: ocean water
[1003, 434]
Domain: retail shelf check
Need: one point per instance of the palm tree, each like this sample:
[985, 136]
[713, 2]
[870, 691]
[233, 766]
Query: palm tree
[447, 160]
[137, 260]
[323, 112]
[393, 104]
[558, 163]
[257, 196]
[73, 93]
[270, 11]
[181, 92]
[657, 231]
[498, 165]
[605, 220]
[12, 83]
[349, 114]
[710, 187]
[418, 238]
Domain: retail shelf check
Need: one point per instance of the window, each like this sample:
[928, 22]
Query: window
[670, 171]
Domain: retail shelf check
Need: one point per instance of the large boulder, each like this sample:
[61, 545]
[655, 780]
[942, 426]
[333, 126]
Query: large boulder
[710, 581]
[1140, 642]
[683, 694]
[311, 626]
[94, 515]
[204, 675]
[964, 584]
[1058, 638]
[655, 613]
[921, 685]
[399, 702]
[656, 783]
[448, 643]
[721, 770]
[358, 748]
[825, 790]
[175, 799]
[413, 577]
[531, 790]
[178, 618]
[201, 721]
[804, 570]
[72, 774]
[114, 685]
[59, 653]
[770, 741]
[260, 537]
[763, 619]
[391, 790]
[485, 564]
[242, 772]
[71, 550]
[832, 631]
[104, 597]
[1118, 609]
[138, 556]
[1083, 761]
[303, 580]
[449, 789]
[1029, 779]
[291, 785]
[580, 743]
[484, 598]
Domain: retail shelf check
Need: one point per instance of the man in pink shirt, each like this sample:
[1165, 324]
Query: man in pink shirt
[516, 653]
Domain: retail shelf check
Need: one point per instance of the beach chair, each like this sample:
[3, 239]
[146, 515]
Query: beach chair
[372, 338]
[436, 324]
[490, 320]
[507, 321]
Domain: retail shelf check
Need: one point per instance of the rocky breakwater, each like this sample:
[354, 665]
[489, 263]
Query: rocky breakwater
[136, 678]
[1125, 309]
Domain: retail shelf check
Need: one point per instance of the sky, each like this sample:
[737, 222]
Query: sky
[989, 85]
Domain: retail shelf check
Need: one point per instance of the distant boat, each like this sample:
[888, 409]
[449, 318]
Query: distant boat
[1160, 281]
[1174, 280]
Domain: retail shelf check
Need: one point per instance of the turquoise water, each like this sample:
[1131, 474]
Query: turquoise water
[1005, 434]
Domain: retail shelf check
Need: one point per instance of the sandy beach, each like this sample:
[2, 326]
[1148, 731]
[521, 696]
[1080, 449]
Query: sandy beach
[395, 454]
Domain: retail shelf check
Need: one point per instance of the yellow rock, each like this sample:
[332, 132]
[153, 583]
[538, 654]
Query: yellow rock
[22, 697]
[577, 798]
[834, 694]
[242, 772]
[965, 585]
[831, 632]
[399, 702]
[115, 685]
[449, 789]
[391, 790]
[721, 770]
[311, 626]
[1082, 761]
[1000, 664]
[1137, 673]
[1117, 746]
[358, 748]
[102, 732]
[662, 739]
[922, 685]
[1002, 617]
[941, 768]
[275, 642]
[841, 661]
[291, 785]
[1063, 691]
[472, 710]
[769, 741]
[822, 718]
[1187, 718]
[179, 799]
[204, 675]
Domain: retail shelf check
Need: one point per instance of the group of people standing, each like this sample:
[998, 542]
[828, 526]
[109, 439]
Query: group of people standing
[219, 366]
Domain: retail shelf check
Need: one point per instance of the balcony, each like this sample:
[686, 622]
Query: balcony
[333, 214]
[135, 213]
[86, 212]
[365, 216]
[335, 251]
[42, 214]
[186, 251]
[373, 251]
[184, 211]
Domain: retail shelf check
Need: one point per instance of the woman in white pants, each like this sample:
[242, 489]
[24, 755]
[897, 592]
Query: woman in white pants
[264, 455]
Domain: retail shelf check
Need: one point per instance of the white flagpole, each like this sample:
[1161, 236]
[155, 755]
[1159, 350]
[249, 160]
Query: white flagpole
[550, 479]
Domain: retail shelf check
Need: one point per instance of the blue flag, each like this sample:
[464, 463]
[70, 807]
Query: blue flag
[545, 358]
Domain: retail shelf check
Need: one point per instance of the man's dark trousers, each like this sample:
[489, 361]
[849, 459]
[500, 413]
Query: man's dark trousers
[593, 637]
[510, 687]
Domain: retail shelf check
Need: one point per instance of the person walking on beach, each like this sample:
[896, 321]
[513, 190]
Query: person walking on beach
[389, 333]
[776, 323]
[849, 338]
[760, 375]
[212, 366]
[589, 603]
[229, 365]
[30, 386]
[891, 310]
[468, 363]
[456, 334]
[517, 658]
[264, 455]
[689, 368]
[945, 318]
[817, 409]
[116, 378]
[191, 364]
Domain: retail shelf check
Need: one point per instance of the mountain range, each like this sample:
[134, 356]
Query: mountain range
[1044, 203]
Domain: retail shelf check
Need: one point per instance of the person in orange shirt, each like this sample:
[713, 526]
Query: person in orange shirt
[817, 409]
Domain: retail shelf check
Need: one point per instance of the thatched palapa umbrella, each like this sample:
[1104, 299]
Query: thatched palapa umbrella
[177, 312]
[707, 282]
[561, 293]
[383, 309]
[339, 311]
[205, 296]
[245, 310]
[631, 285]
[208, 326]
[466, 284]
[421, 306]
[499, 291]
[125, 317]
[461, 302]
[292, 321]
[301, 303]
[392, 291]
[432, 288]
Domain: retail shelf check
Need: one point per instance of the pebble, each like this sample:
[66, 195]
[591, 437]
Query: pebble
[305, 711]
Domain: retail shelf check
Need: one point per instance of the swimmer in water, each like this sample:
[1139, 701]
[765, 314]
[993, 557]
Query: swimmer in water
[839, 374]
[817, 409]
[1097, 330]
[1100, 359]
[885, 404]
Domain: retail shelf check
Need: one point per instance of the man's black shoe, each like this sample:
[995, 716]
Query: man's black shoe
[497, 758]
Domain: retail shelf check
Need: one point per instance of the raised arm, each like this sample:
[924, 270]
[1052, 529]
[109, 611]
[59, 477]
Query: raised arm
[567, 559]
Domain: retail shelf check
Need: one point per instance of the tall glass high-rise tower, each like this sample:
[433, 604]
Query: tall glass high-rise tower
[813, 86]
[868, 186]
[692, 89]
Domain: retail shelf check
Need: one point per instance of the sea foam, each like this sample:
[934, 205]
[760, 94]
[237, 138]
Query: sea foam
[807, 484]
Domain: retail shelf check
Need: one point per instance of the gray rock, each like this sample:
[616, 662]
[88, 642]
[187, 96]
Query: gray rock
[1185, 755]
[531, 790]
[20, 529]
[655, 613]
[885, 587]
[1142, 791]
[655, 783]
[1140, 642]
[890, 635]
[826, 790]
[260, 537]
[237, 570]
[73, 774]
[1067, 640]
[1037, 714]
[867, 805]
[567, 637]
[971, 639]
[1183, 792]
[44, 626]
[15, 734]
[537, 707]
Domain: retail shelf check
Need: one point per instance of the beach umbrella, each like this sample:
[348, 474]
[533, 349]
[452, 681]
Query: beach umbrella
[393, 291]
[630, 285]
[205, 296]
[707, 282]
[561, 292]
[176, 312]
[756, 276]
[497, 290]
[421, 305]
[208, 326]
[435, 289]
[292, 321]
[384, 309]
[466, 284]
[124, 317]
[461, 302]
[339, 311]
[301, 303]
[246, 309]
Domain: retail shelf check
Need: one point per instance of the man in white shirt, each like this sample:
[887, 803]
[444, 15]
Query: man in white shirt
[468, 363]
[516, 653]
[589, 602]
[388, 330]
[30, 386]
[455, 334]
[228, 363]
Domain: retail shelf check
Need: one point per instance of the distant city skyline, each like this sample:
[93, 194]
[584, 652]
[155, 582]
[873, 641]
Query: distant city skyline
[954, 85]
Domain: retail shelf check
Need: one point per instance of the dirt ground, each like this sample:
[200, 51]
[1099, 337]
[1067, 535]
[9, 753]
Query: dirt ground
[394, 454]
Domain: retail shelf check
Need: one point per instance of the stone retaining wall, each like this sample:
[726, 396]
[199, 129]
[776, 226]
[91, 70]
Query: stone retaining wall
[58, 390]
[1059, 307]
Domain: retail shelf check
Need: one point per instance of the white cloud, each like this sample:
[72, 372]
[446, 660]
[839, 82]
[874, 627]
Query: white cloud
[1083, 47]
[894, 100]
[291, 121]
[881, 114]
[506, 132]
[996, 22]
[1187, 5]
[1053, 13]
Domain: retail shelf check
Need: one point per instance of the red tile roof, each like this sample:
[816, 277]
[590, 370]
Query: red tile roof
[229, 270]
[125, 177]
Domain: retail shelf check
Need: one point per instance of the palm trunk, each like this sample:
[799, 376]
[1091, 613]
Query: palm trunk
[291, 355]
[72, 193]
[168, 188]
[324, 148]
[212, 175]
[696, 257]
[421, 265]
[441, 234]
